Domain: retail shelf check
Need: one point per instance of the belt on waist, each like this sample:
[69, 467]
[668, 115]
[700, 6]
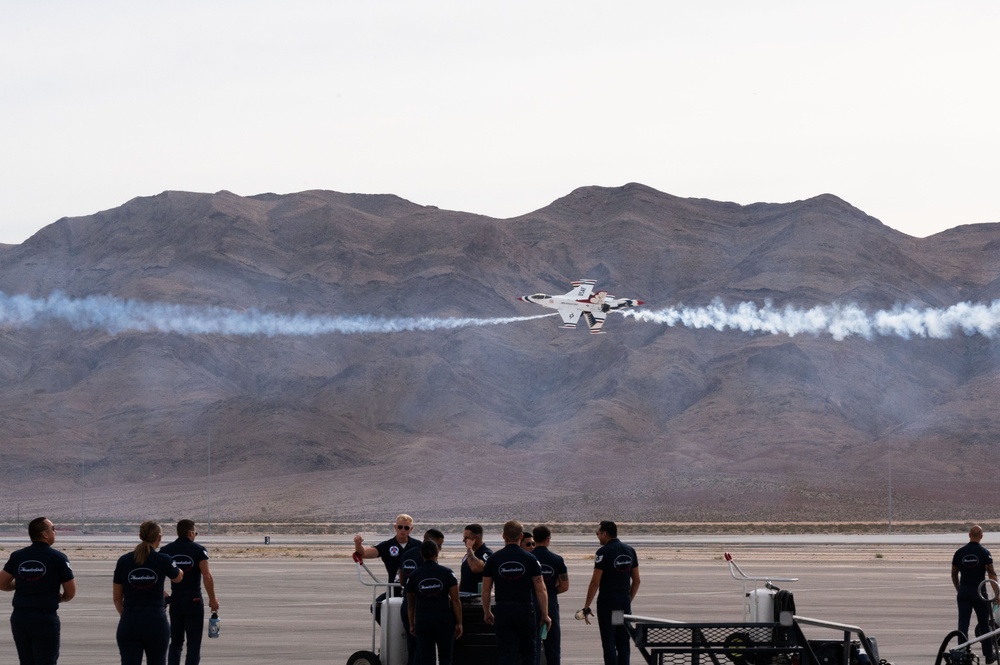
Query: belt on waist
[36, 610]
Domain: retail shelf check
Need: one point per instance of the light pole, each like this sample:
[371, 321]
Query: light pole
[210, 481]
[890, 488]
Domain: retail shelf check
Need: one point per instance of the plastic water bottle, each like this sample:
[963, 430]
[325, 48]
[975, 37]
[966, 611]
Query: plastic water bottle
[213, 625]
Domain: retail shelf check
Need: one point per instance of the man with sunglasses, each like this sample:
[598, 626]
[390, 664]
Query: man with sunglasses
[41, 578]
[476, 555]
[187, 608]
[616, 577]
[390, 551]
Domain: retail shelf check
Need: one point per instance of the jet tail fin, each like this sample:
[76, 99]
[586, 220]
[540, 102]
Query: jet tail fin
[582, 288]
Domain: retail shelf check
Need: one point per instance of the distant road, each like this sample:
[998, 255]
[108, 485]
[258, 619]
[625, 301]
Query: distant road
[345, 541]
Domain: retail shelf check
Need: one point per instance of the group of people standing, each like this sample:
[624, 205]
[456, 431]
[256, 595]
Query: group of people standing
[517, 585]
[41, 578]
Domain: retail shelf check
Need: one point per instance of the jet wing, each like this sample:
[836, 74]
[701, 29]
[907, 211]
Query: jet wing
[595, 321]
[570, 316]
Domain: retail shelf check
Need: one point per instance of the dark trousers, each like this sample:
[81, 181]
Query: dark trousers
[143, 631]
[36, 636]
[614, 639]
[969, 600]
[187, 619]
[411, 641]
[516, 629]
[435, 630]
[550, 645]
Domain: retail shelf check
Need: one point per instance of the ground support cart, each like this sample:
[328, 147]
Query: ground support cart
[770, 634]
[665, 642]
[392, 642]
[477, 646]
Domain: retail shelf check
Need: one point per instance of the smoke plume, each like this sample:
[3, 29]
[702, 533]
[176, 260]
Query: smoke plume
[838, 321]
[115, 316]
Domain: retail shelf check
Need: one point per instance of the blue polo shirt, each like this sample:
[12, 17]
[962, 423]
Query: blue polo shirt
[39, 571]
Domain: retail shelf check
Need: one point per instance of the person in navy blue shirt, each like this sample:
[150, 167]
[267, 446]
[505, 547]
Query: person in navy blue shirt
[138, 596]
[515, 574]
[969, 567]
[476, 555]
[412, 558]
[187, 607]
[556, 578]
[40, 578]
[435, 612]
[616, 576]
[391, 550]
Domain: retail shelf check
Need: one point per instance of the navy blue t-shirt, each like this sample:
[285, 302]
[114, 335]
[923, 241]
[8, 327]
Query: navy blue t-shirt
[616, 561]
[187, 555]
[143, 583]
[971, 561]
[431, 585]
[470, 580]
[39, 571]
[391, 552]
[408, 564]
[513, 571]
[553, 567]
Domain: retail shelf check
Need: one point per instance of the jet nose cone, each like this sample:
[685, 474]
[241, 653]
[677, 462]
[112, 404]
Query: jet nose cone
[524, 299]
[640, 302]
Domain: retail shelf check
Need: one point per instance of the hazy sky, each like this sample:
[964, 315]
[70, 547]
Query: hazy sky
[500, 108]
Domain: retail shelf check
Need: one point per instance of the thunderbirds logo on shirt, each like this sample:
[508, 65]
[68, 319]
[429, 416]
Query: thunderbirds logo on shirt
[430, 587]
[547, 571]
[183, 561]
[142, 578]
[513, 570]
[394, 550]
[31, 571]
[970, 560]
[623, 563]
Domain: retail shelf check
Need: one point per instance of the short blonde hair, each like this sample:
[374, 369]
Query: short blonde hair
[403, 517]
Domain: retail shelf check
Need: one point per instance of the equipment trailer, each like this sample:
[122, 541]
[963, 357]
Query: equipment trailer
[770, 634]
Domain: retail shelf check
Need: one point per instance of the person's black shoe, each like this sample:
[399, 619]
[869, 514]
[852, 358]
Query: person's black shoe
[992, 658]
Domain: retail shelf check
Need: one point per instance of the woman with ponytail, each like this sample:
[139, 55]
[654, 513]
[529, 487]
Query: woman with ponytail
[138, 596]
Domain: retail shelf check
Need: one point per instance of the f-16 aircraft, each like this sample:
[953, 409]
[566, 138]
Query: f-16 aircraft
[583, 303]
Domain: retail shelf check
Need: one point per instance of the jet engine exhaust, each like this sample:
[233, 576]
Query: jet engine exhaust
[116, 316]
[838, 321]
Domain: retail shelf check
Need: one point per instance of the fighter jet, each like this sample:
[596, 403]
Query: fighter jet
[583, 303]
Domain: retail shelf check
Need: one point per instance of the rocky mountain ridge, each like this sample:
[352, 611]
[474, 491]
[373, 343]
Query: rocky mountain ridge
[645, 422]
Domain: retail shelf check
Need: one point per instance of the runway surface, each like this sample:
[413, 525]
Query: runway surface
[299, 600]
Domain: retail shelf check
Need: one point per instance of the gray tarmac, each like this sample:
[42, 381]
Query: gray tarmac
[301, 604]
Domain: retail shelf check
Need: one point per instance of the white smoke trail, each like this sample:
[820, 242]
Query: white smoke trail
[838, 321]
[115, 316]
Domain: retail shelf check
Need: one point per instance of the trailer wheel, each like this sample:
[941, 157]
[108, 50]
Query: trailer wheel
[363, 658]
[945, 655]
[737, 646]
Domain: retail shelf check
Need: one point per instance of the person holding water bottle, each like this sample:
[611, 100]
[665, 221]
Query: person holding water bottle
[187, 607]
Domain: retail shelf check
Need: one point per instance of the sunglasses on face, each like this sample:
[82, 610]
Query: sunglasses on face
[404, 527]
[529, 544]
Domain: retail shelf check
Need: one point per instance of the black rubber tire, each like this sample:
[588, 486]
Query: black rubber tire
[736, 646]
[363, 658]
[944, 645]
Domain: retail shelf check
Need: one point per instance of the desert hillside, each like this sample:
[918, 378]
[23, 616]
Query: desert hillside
[647, 422]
